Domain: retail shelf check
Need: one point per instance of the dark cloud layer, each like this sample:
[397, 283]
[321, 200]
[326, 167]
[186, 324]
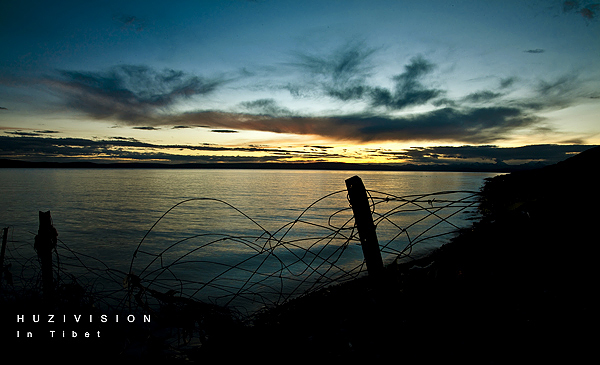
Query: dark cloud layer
[147, 128]
[32, 133]
[343, 76]
[507, 82]
[469, 125]
[546, 154]
[37, 148]
[409, 90]
[223, 131]
[130, 94]
[145, 98]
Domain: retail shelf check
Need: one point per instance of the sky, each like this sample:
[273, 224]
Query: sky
[381, 82]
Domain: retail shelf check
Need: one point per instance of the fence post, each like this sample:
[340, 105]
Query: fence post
[45, 242]
[365, 226]
[2, 251]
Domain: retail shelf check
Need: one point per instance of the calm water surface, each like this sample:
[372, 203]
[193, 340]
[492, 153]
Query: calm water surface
[106, 213]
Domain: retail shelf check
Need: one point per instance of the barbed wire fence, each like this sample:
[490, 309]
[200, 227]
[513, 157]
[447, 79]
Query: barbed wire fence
[190, 278]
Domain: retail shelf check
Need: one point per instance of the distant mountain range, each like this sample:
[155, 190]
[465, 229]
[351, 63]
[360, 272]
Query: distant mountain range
[464, 167]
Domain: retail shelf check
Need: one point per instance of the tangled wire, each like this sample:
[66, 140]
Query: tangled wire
[236, 273]
[265, 269]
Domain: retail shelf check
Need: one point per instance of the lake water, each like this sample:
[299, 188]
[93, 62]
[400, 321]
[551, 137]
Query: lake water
[228, 234]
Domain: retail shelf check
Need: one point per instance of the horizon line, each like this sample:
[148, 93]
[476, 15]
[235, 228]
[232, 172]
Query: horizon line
[317, 165]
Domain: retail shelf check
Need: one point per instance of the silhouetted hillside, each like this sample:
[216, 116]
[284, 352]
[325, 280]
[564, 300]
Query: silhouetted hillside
[516, 288]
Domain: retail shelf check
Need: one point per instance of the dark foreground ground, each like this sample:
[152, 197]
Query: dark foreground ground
[519, 287]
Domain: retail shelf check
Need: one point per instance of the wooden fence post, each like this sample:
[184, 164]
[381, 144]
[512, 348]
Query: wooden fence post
[2, 251]
[365, 226]
[45, 242]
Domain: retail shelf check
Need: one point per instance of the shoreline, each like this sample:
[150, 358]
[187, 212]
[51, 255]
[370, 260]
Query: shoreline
[331, 166]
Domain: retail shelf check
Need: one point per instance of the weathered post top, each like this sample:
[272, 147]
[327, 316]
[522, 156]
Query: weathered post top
[45, 242]
[363, 220]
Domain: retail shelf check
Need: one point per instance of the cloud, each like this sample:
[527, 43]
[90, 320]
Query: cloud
[147, 128]
[409, 90]
[570, 6]
[588, 11]
[445, 102]
[21, 133]
[560, 86]
[128, 93]
[320, 147]
[117, 148]
[342, 75]
[266, 107]
[146, 98]
[33, 133]
[547, 154]
[347, 64]
[472, 125]
[557, 93]
[482, 96]
[129, 149]
[537, 50]
[130, 22]
[507, 82]
[224, 131]
[554, 93]
[476, 125]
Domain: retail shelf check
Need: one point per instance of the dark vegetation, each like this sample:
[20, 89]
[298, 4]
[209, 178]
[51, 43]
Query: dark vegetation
[517, 287]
